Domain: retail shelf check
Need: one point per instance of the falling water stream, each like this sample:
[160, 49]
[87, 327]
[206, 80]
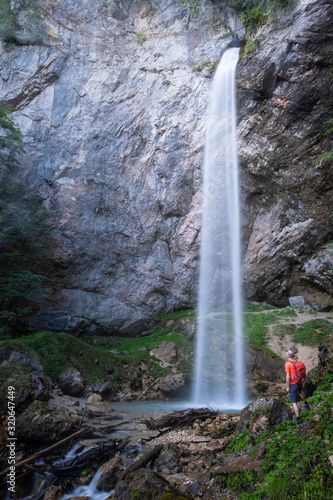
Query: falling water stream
[219, 361]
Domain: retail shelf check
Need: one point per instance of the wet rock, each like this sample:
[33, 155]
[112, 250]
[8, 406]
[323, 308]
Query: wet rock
[170, 382]
[94, 399]
[72, 383]
[107, 391]
[54, 493]
[169, 458]
[111, 473]
[148, 484]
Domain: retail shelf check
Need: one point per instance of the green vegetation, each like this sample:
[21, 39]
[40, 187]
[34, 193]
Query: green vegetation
[250, 46]
[21, 22]
[313, 332]
[11, 144]
[239, 442]
[256, 330]
[135, 351]
[91, 356]
[257, 323]
[255, 13]
[250, 307]
[59, 351]
[201, 64]
[295, 462]
[136, 495]
[310, 333]
[194, 5]
[22, 237]
[326, 157]
[237, 482]
[140, 37]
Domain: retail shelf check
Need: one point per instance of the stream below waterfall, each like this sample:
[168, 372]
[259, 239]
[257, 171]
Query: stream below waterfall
[112, 421]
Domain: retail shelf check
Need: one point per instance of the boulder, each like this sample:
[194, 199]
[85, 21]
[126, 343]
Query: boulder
[146, 484]
[94, 399]
[238, 464]
[24, 373]
[72, 383]
[264, 414]
[107, 391]
[54, 493]
[110, 474]
[39, 424]
[325, 355]
[170, 382]
[299, 301]
[169, 458]
[165, 352]
[264, 365]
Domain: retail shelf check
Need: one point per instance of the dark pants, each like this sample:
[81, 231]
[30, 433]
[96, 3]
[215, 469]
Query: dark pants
[294, 390]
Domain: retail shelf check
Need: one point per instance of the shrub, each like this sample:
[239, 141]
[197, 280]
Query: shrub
[21, 22]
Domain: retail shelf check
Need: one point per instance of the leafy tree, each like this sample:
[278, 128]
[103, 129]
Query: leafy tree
[10, 141]
[23, 231]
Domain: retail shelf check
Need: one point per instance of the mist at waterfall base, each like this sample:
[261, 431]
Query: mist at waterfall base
[219, 372]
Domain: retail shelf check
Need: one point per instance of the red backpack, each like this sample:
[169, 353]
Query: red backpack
[300, 372]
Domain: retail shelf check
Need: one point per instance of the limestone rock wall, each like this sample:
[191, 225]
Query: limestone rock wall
[113, 116]
[285, 96]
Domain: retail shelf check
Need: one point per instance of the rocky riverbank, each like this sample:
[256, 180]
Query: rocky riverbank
[51, 405]
[191, 453]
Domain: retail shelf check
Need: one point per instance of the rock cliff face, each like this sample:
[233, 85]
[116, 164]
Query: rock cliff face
[285, 96]
[113, 116]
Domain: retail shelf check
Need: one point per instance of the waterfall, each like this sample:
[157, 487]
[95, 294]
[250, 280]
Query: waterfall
[219, 378]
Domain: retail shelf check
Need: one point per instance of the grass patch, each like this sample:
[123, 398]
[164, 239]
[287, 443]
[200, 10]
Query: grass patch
[283, 330]
[59, 351]
[149, 342]
[177, 315]
[313, 332]
[256, 329]
[286, 312]
[249, 307]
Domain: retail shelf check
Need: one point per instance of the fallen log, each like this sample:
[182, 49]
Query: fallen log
[179, 418]
[45, 452]
[78, 463]
[143, 461]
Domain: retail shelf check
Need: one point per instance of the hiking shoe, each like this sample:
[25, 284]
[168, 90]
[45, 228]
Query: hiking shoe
[299, 421]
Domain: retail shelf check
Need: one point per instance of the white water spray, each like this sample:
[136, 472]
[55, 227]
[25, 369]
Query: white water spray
[219, 378]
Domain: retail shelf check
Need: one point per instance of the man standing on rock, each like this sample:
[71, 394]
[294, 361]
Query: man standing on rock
[294, 385]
